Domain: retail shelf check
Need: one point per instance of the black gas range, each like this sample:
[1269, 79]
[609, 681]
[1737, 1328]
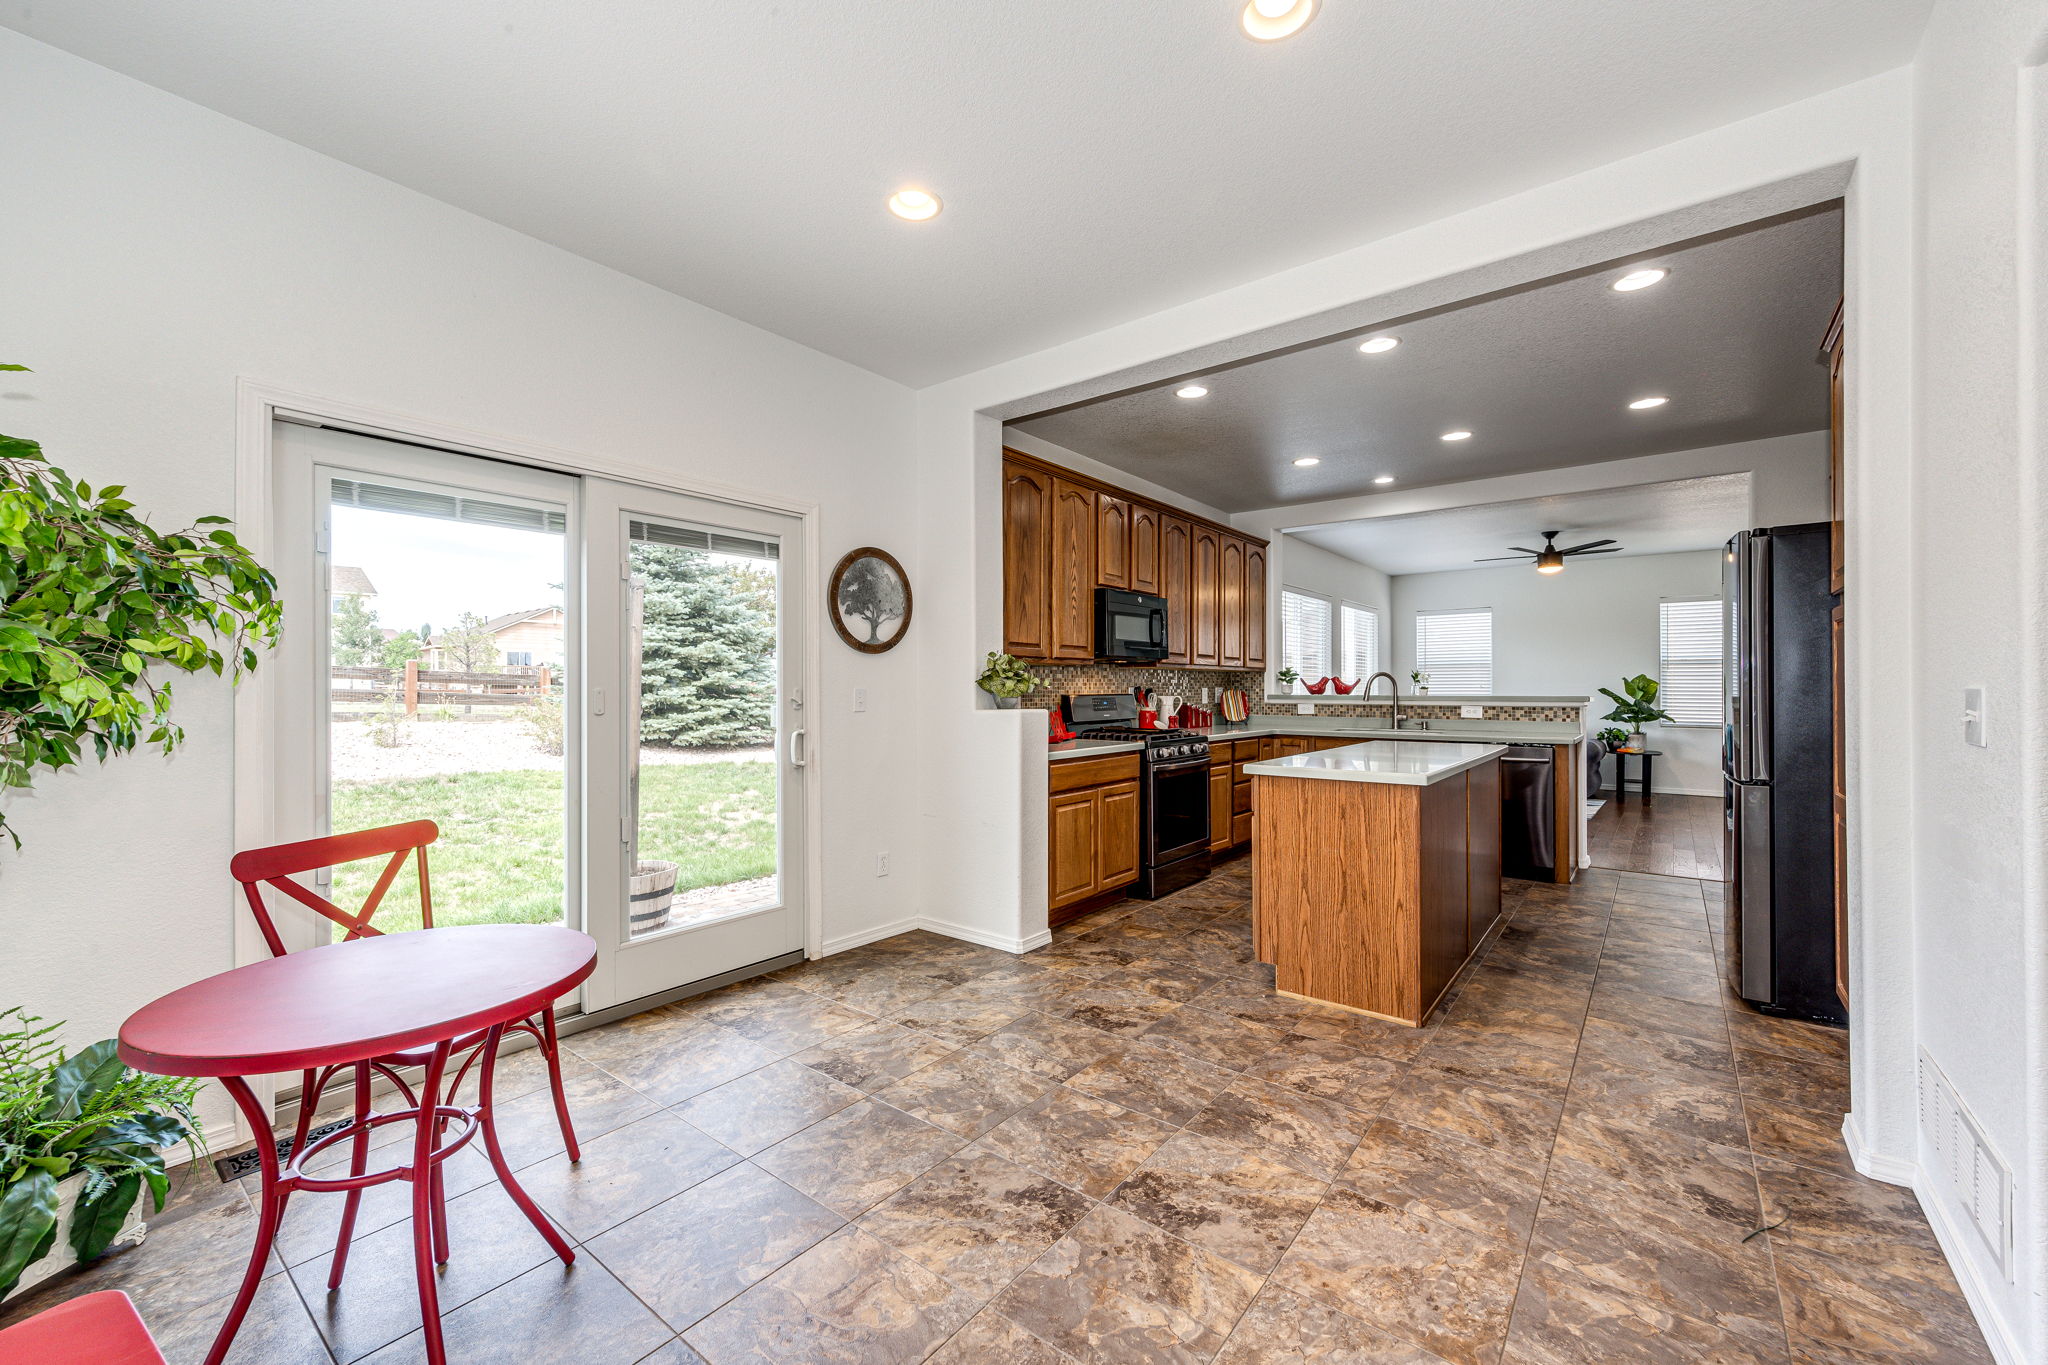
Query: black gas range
[1173, 788]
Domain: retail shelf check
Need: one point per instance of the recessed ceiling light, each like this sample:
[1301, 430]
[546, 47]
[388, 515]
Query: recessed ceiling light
[1379, 344]
[1384, 478]
[1305, 461]
[1455, 436]
[1641, 403]
[914, 205]
[1639, 279]
[1191, 391]
[1270, 20]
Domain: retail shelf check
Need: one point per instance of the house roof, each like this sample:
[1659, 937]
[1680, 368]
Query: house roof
[499, 624]
[349, 581]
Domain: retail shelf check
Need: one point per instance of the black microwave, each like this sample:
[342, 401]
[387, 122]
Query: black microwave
[1130, 627]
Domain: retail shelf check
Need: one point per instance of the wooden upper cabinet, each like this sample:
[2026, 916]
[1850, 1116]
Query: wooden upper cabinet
[1208, 587]
[1072, 634]
[1254, 605]
[1027, 561]
[1112, 541]
[1177, 577]
[1146, 571]
[1230, 603]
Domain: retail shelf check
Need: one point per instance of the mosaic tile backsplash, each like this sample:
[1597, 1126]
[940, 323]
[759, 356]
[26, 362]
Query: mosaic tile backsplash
[1069, 679]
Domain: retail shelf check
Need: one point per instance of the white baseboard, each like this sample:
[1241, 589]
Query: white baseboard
[874, 935]
[937, 926]
[1890, 1169]
[1955, 1246]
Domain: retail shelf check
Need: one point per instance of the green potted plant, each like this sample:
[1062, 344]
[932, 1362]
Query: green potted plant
[1614, 737]
[1005, 678]
[80, 1136]
[1420, 680]
[1636, 709]
[1287, 678]
[94, 603]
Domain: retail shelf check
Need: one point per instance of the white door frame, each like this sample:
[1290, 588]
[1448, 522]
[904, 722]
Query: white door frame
[258, 405]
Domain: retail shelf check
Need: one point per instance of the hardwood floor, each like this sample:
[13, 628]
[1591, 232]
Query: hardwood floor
[1672, 836]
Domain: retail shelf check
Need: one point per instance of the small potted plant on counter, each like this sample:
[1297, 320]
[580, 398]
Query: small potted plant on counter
[1288, 679]
[1420, 681]
[79, 1138]
[1637, 709]
[1005, 678]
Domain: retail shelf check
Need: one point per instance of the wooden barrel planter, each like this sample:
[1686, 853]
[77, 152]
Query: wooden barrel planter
[651, 888]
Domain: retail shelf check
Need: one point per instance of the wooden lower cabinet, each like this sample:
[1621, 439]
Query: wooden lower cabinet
[1482, 855]
[1220, 798]
[1091, 831]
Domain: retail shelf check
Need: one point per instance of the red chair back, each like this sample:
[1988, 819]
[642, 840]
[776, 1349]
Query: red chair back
[275, 866]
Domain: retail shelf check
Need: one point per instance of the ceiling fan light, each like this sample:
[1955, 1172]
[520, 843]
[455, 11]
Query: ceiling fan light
[1550, 561]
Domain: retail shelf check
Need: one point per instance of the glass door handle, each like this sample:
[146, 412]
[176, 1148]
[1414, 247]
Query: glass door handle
[797, 757]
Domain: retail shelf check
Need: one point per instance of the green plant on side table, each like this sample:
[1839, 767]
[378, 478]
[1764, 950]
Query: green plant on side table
[1614, 737]
[1005, 678]
[79, 1138]
[1638, 708]
[91, 599]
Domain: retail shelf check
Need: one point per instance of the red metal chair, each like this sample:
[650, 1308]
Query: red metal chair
[92, 1329]
[275, 867]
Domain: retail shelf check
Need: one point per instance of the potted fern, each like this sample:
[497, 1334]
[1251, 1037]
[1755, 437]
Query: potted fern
[1638, 708]
[80, 1137]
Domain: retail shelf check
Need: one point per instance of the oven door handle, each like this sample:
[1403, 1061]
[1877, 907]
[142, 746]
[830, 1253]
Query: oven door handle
[1179, 764]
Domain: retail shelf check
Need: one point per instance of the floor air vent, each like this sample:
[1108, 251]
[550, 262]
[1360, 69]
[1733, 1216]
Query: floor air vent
[1970, 1175]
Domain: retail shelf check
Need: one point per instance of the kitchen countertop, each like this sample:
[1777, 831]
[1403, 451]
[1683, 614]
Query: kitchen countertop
[1353, 727]
[1408, 763]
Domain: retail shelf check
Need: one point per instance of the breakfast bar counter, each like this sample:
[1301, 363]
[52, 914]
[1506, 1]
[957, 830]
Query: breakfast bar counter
[1375, 871]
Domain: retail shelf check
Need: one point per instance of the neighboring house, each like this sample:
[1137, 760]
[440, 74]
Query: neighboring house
[346, 580]
[524, 639]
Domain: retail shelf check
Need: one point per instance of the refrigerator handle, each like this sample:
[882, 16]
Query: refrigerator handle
[1756, 655]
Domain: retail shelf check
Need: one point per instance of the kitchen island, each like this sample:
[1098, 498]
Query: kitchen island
[1375, 870]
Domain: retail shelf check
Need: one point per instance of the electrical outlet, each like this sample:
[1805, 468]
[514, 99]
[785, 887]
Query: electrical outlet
[1973, 717]
[860, 699]
[1304, 708]
[1205, 696]
[1472, 712]
[881, 864]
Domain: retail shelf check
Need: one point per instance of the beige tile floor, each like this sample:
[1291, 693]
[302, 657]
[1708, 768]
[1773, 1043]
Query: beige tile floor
[1126, 1148]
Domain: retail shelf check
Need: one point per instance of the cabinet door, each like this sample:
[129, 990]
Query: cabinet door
[1219, 806]
[1176, 552]
[1482, 851]
[1073, 571]
[1292, 744]
[1071, 824]
[1254, 606]
[1208, 574]
[1116, 835]
[1027, 561]
[1112, 541]
[1146, 575]
[1841, 801]
[1230, 602]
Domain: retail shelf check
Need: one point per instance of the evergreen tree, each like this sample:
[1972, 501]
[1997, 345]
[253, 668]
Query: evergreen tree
[707, 653]
[357, 641]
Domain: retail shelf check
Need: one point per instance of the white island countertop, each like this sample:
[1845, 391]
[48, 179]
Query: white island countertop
[1409, 763]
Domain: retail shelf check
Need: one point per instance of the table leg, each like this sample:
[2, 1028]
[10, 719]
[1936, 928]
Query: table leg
[1649, 769]
[553, 1046]
[427, 1126]
[269, 1214]
[358, 1162]
[488, 1117]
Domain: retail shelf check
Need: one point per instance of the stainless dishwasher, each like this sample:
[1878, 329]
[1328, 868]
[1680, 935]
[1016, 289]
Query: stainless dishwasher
[1528, 813]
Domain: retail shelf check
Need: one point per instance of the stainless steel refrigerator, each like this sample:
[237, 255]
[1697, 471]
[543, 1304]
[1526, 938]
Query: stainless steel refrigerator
[1777, 772]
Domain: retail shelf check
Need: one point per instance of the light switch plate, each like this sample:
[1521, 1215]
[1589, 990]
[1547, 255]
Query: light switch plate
[1472, 712]
[1304, 708]
[860, 699]
[1973, 717]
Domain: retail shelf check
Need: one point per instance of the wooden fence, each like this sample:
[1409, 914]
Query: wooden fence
[414, 687]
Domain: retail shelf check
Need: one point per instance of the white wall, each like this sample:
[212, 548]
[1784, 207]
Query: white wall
[1297, 564]
[1575, 632]
[1978, 603]
[170, 251]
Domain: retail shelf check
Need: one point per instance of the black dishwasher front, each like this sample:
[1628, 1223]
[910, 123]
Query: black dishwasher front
[1528, 813]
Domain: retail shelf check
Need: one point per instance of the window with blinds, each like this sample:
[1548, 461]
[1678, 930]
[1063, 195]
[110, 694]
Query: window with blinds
[1690, 649]
[1360, 642]
[1305, 634]
[1455, 648]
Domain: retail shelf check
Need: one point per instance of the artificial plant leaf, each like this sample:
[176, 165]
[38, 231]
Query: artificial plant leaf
[78, 1078]
[149, 1131]
[28, 1224]
[94, 1222]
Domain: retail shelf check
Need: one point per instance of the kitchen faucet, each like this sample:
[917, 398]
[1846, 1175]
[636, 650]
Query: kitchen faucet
[1395, 698]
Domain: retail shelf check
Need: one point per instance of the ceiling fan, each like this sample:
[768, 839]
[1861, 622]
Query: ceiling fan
[1550, 559]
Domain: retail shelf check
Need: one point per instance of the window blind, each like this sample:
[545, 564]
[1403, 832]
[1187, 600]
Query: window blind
[1455, 648]
[1690, 649]
[1305, 634]
[1361, 642]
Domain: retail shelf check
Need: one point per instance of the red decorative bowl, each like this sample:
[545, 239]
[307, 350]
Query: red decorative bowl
[1344, 689]
[1318, 685]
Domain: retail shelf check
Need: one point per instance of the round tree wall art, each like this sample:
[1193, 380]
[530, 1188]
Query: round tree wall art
[870, 599]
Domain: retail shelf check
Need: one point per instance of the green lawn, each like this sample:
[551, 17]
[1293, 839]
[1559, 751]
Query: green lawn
[499, 857]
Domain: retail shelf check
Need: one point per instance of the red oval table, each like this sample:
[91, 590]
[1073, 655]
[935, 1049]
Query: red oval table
[346, 1003]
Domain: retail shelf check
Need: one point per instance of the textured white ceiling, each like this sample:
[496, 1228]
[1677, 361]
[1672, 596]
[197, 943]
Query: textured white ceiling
[1648, 519]
[1098, 161]
[1541, 376]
